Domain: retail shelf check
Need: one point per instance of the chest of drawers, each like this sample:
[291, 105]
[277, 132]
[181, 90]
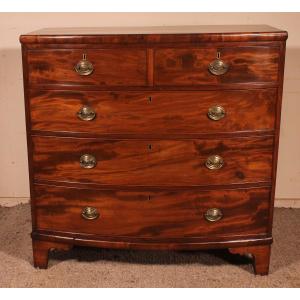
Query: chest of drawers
[153, 138]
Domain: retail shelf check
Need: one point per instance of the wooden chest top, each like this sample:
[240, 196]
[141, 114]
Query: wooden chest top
[204, 33]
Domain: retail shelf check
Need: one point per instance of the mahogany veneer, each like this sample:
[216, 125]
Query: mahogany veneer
[138, 162]
[189, 66]
[183, 112]
[164, 214]
[153, 138]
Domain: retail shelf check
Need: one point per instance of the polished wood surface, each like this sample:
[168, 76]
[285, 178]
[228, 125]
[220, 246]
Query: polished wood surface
[190, 66]
[151, 90]
[41, 251]
[220, 29]
[57, 66]
[135, 162]
[180, 67]
[261, 256]
[159, 34]
[145, 113]
[163, 214]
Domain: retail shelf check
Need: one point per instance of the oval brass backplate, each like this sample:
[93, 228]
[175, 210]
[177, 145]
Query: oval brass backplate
[216, 113]
[213, 214]
[86, 113]
[88, 161]
[218, 67]
[214, 162]
[90, 213]
[84, 67]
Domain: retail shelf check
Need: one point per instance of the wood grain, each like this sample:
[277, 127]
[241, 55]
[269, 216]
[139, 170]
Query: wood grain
[185, 67]
[153, 162]
[152, 243]
[250, 64]
[150, 184]
[41, 251]
[277, 131]
[152, 214]
[261, 257]
[155, 34]
[149, 113]
[112, 67]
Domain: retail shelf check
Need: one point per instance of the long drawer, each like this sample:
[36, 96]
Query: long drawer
[156, 214]
[153, 162]
[145, 113]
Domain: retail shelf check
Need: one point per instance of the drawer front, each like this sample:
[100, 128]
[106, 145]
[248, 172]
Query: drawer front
[153, 162]
[153, 112]
[156, 214]
[111, 67]
[187, 67]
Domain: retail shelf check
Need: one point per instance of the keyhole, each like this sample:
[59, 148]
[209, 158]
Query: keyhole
[149, 197]
[150, 99]
[149, 147]
[218, 55]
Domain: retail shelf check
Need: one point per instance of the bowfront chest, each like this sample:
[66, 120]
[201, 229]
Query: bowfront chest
[153, 138]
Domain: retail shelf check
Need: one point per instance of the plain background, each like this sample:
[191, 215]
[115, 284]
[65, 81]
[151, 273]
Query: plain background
[14, 181]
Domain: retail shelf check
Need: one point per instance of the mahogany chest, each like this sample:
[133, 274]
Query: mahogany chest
[153, 138]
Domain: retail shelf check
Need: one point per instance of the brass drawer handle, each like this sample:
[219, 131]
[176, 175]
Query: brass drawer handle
[84, 67]
[88, 161]
[86, 113]
[218, 66]
[214, 162]
[90, 213]
[213, 214]
[216, 113]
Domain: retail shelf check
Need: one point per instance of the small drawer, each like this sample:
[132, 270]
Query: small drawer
[102, 67]
[153, 162]
[188, 67]
[152, 214]
[153, 112]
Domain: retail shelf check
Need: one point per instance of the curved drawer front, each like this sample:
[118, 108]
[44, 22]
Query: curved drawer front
[153, 162]
[153, 214]
[111, 67]
[186, 67]
[153, 112]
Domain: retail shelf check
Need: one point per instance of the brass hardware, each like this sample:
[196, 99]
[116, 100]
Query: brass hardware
[216, 113]
[218, 66]
[86, 113]
[90, 213]
[214, 162]
[88, 161]
[213, 214]
[84, 67]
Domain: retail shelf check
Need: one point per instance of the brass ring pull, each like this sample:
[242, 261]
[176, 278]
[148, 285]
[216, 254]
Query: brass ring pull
[218, 66]
[88, 161]
[214, 162]
[213, 214]
[90, 213]
[84, 67]
[86, 113]
[216, 113]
